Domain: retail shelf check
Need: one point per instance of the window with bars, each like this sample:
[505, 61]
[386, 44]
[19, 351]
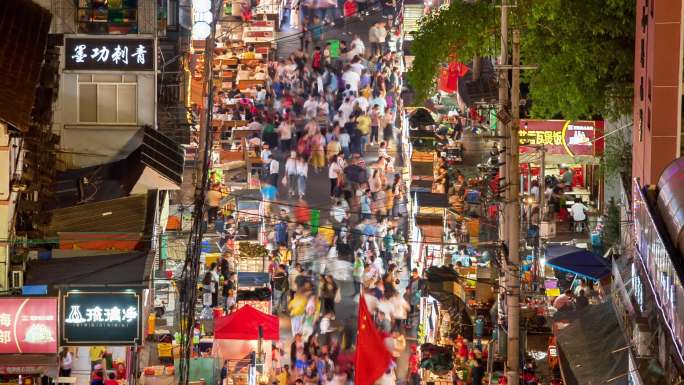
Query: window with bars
[107, 99]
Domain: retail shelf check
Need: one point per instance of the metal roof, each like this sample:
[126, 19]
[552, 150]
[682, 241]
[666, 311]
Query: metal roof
[24, 28]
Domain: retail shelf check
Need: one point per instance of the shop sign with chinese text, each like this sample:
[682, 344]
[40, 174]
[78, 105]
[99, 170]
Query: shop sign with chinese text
[119, 54]
[111, 316]
[28, 325]
[562, 137]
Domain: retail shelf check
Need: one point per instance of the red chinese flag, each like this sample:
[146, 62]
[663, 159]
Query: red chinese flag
[444, 80]
[372, 357]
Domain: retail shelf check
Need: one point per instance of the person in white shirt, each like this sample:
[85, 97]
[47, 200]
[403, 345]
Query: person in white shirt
[323, 106]
[291, 172]
[351, 78]
[358, 46]
[334, 171]
[274, 169]
[302, 173]
[346, 109]
[362, 103]
[311, 107]
[338, 212]
[578, 212]
[66, 360]
[356, 66]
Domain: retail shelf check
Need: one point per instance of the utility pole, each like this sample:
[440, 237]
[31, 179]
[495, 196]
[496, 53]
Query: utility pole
[502, 124]
[513, 224]
[542, 200]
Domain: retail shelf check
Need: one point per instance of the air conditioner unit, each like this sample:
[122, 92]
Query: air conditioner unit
[642, 340]
[17, 279]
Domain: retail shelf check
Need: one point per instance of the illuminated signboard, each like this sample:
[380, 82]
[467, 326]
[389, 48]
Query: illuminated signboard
[28, 325]
[562, 137]
[109, 54]
[110, 317]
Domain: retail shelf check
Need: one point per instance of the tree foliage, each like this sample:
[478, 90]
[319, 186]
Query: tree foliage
[584, 51]
[617, 157]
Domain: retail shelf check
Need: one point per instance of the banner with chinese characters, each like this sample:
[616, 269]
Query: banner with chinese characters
[562, 137]
[113, 54]
[28, 325]
[109, 316]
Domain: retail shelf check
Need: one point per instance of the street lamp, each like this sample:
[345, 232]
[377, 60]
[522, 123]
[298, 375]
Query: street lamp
[200, 30]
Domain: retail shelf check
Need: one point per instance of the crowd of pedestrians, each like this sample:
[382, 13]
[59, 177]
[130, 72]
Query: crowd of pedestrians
[325, 111]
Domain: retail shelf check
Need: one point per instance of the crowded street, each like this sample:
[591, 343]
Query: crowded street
[341, 192]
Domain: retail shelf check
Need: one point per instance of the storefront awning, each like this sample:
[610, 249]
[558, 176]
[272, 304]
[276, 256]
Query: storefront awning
[128, 268]
[533, 157]
[593, 347]
[28, 364]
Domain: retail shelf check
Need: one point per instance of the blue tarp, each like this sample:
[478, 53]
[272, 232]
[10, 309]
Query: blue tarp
[578, 261]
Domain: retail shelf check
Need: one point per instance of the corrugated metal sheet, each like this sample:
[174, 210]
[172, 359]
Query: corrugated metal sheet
[24, 28]
[162, 154]
[123, 215]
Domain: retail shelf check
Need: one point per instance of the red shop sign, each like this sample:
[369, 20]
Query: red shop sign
[28, 325]
[562, 137]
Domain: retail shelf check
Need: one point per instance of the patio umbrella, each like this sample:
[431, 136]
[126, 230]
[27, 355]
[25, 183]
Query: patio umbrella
[578, 261]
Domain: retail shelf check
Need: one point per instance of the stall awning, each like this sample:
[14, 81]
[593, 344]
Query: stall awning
[427, 199]
[253, 279]
[578, 261]
[594, 347]
[28, 364]
[244, 324]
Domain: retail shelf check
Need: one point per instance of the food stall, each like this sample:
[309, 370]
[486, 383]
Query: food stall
[568, 145]
[239, 336]
[254, 289]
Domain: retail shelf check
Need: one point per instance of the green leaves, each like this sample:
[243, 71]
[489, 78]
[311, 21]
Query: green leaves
[464, 29]
[584, 51]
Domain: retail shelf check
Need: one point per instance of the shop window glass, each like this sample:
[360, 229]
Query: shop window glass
[106, 103]
[107, 100]
[106, 78]
[102, 17]
[87, 97]
[126, 103]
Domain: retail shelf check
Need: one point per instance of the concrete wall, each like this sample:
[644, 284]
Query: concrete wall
[657, 87]
[87, 144]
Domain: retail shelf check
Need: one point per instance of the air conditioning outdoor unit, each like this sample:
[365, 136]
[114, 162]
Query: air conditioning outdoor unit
[17, 279]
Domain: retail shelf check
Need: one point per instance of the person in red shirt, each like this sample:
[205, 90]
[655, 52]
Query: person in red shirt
[350, 9]
[414, 364]
[111, 380]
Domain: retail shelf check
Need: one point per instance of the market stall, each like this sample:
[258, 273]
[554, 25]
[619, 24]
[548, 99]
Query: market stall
[239, 336]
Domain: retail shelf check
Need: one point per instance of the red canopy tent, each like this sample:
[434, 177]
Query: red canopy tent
[244, 324]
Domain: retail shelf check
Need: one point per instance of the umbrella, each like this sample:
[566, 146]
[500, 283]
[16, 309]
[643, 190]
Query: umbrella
[578, 261]
[356, 174]
[421, 117]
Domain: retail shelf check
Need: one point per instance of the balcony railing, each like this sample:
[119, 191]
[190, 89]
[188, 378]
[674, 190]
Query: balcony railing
[655, 252]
